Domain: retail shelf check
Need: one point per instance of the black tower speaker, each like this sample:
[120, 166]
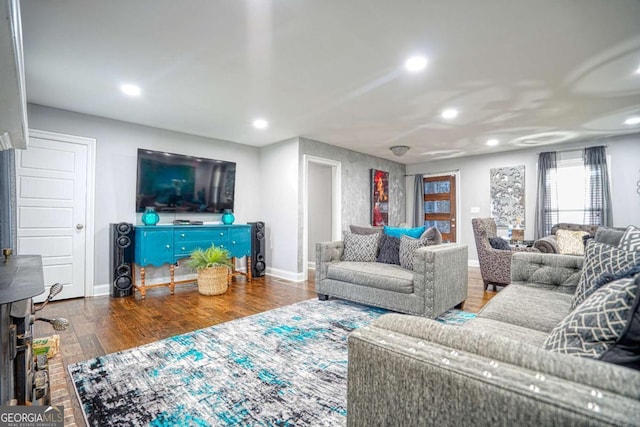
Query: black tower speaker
[258, 262]
[121, 259]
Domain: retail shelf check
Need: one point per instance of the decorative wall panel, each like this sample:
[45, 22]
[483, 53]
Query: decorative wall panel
[508, 196]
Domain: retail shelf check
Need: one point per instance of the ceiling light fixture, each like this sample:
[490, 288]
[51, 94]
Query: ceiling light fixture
[416, 63]
[450, 113]
[131, 90]
[260, 123]
[638, 70]
[492, 142]
[399, 150]
[632, 121]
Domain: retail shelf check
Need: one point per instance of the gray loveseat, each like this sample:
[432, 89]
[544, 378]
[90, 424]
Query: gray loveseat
[437, 282]
[492, 371]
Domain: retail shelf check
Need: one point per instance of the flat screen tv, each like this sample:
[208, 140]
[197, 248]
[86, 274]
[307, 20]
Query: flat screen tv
[178, 183]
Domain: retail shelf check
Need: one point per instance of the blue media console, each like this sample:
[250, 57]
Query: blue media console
[158, 245]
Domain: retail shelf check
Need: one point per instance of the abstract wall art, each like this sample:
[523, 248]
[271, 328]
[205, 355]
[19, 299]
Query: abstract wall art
[507, 196]
[379, 197]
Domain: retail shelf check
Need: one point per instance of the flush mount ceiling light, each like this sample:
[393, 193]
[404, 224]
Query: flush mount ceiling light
[449, 113]
[399, 150]
[131, 90]
[492, 142]
[632, 121]
[416, 63]
[638, 70]
[260, 123]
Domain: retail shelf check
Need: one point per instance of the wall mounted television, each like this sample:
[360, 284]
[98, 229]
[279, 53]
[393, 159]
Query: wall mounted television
[178, 183]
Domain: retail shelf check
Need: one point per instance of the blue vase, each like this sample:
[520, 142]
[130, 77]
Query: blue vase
[227, 217]
[150, 216]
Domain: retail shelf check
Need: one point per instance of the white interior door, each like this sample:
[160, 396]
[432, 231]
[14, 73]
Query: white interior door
[51, 183]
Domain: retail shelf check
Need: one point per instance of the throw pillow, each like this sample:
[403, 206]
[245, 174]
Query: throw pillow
[601, 259]
[365, 229]
[360, 247]
[570, 242]
[605, 326]
[610, 236]
[399, 232]
[389, 250]
[432, 235]
[499, 243]
[408, 246]
[630, 240]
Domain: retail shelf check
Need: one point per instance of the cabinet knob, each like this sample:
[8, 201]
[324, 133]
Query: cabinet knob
[222, 246]
[184, 249]
[182, 235]
[221, 233]
[233, 242]
[168, 246]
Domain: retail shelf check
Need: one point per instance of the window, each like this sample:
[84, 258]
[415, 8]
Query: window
[571, 194]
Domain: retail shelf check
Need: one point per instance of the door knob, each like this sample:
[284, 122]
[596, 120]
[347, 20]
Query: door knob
[79, 226]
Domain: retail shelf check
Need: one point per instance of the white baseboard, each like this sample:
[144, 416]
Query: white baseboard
[101, 290]
[311, 265]
[473, 263]
[284, 274]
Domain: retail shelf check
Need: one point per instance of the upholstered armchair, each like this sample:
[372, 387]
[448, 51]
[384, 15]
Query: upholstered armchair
[495, 264]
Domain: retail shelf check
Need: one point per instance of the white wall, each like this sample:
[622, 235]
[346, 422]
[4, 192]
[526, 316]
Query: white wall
[475, 187]
[319, 207]
[116, 165]
[279, 207]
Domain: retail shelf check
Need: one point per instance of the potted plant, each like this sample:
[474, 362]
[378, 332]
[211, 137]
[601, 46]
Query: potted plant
[212, 265]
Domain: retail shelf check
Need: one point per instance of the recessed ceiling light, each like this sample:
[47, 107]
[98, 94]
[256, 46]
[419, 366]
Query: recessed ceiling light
[632, 120]
[492, 142]
[260, 123]
[416, 63]
[638, 70]
[449, 113]
[131, 90]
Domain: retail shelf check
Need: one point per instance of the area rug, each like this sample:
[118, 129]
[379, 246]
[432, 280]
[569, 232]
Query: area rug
[284, 367]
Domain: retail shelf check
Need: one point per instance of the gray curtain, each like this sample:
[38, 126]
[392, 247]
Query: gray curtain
[418, 204]
[8, 198]
[598, 202]
[546, 209]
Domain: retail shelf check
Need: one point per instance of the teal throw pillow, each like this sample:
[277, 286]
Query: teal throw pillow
[399, 232]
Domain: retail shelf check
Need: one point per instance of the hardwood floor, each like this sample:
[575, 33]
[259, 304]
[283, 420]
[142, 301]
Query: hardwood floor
[103, 325]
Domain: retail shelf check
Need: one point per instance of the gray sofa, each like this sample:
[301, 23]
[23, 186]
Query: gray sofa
[492, 371]
[437, 282]
[549, 244]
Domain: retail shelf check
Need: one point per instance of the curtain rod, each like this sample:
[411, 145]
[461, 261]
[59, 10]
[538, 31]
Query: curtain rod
[435, 173]
[572, 149]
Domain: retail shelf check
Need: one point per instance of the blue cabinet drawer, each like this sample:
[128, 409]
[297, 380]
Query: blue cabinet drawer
[154, 246]
[184, 234]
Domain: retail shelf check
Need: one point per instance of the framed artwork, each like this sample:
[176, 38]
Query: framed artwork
[379, 197]
[507, 196]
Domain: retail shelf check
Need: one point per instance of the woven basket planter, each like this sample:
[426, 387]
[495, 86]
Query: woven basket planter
[213, 280]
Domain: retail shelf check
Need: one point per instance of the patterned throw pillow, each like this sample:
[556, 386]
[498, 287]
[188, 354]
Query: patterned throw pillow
[360, 247]
[601, 259]
[499, 243]
[365, 229]
[389, 250]
[600, 327]
[400, 231]
[408, 246]
[630, 240]
[571, 242]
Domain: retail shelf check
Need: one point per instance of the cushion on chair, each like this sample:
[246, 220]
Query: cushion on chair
[389, 250]
[408, 246]
[499, 243]
[373, 275]
[605, 326]
[630, 240]
[601, 260]
[610, 236]
[360, 247]
[399, 231]
[571, 242]
[432, 235]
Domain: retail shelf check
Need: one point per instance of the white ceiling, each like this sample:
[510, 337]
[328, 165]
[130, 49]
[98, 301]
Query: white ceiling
[525, 72]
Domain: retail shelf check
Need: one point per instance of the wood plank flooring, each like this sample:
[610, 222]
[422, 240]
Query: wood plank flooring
[103, 325]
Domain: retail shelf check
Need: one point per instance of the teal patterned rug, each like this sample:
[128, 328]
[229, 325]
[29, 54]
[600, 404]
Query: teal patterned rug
[284, 367]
